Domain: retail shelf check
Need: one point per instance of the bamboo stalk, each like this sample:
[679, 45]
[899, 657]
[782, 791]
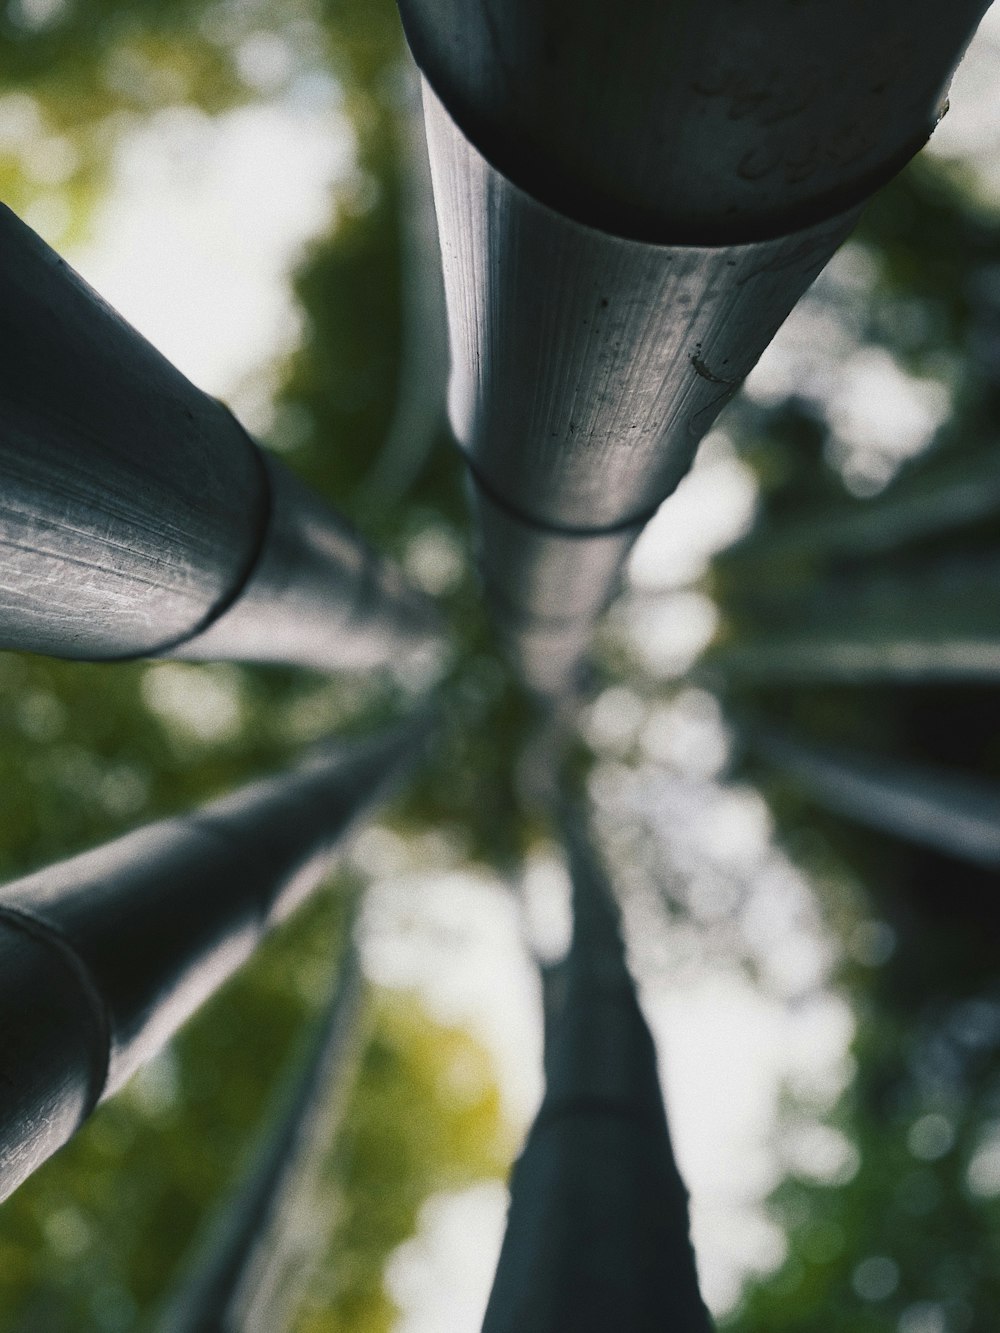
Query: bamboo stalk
[932, 807]
[238, 1269]
[628, 210]
[104, 956]
[137, 516]
[866, 656]
[948, 497]
[692, 122]
[597, 1235]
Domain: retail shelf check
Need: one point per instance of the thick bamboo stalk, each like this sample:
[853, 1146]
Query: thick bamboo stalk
[104, 956]
[628, 210]
[545, 588]
[597, 1236]
[138, 517]
[933, 807]
[235, 1270]
[696, 121]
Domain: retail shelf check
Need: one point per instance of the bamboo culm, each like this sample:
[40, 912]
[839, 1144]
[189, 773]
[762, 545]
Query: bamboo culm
[627, 213]
[138, 518]
[103, 956]
[236, 1269]
[598, 1233]
[932, 807]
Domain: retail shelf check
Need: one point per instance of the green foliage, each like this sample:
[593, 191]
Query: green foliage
[426, 1117]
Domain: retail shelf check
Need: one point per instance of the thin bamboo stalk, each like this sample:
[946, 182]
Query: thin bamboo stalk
[867, 656]
[104, 956]
[138, 518]
[949, 497]
[597, 1236]
[236, 1275]
[932, 807]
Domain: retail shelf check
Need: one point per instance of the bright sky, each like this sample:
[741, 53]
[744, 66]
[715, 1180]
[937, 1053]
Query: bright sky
[202, 228]
[194, 245]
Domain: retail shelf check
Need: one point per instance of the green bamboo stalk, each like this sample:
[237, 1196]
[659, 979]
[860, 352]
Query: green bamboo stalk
[950, 496]
[931, 622]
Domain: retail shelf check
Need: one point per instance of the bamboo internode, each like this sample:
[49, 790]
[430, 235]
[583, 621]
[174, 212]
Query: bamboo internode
[937, 622]
[104, 956]
[137, 516]
[942, 498]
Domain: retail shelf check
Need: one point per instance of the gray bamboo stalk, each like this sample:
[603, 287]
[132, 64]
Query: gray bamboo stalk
[137, 516]
[932, 807]
[238, 1276]
[628, 210]
[937, 623]
[867, 656]
[598, 1236]
[950, 496]
[104, 956]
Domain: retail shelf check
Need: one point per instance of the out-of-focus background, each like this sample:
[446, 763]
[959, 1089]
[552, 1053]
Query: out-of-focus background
[243, 181]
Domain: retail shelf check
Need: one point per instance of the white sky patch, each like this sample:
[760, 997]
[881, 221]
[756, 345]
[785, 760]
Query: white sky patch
[712, 507]
[458, 939]
[201, 703]
[970, 132]
[611, 723]
[547, 897]
[821, 332]
[441, 1278]
[724, 1049]
[881, 416]
[205, 220]
[666, 633]
[688, 734]
[728, 1049]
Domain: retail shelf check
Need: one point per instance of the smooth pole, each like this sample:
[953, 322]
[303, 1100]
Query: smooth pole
[929, 806]
[138, 518]
[629, 205]
[235, 1277]
[104, 956]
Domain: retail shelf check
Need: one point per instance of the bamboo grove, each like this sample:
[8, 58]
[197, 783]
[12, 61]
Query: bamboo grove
[627, 210]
